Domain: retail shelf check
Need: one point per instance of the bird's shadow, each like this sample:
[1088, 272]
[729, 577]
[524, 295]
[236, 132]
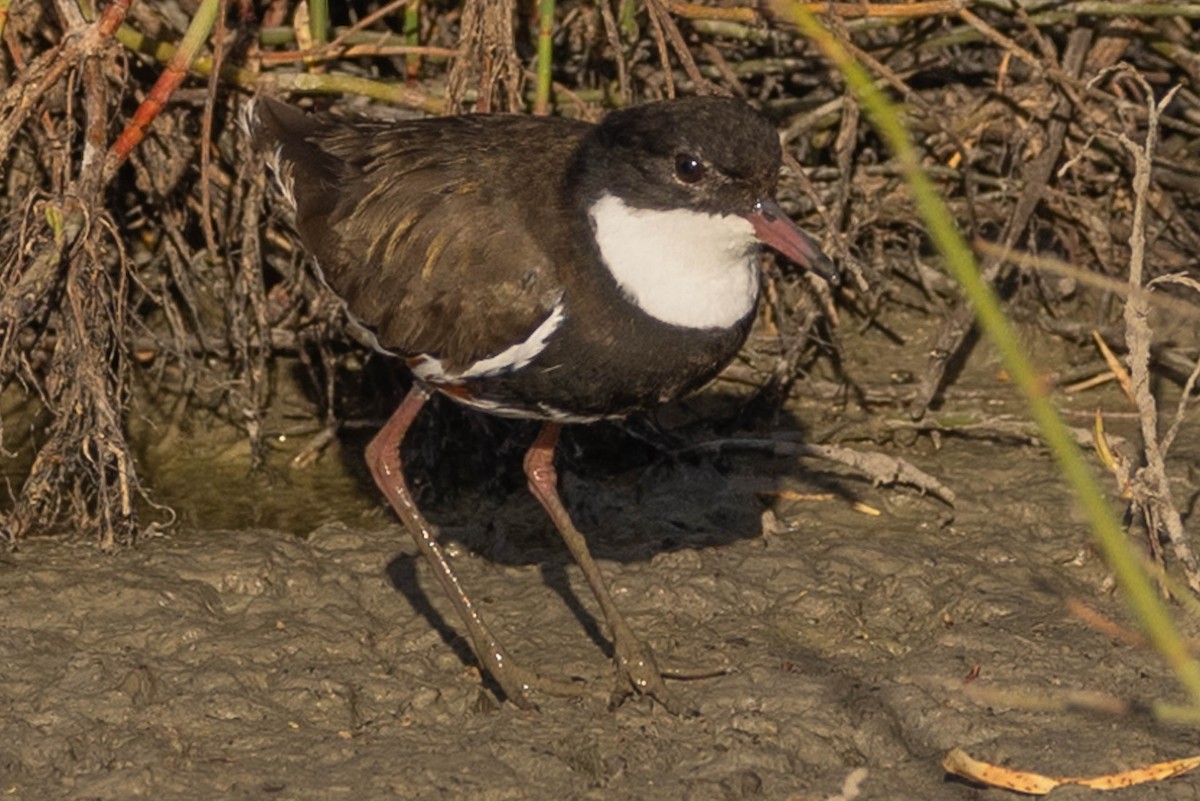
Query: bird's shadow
[452, 457]
[402, 572]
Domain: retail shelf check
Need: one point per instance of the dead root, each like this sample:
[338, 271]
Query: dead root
[170, 270]
[880, 469]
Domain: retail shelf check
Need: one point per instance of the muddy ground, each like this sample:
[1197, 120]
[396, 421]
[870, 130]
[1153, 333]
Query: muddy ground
[283, 642]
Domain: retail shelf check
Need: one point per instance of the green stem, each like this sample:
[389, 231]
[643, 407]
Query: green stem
[395, 94]
[159, 95]
[545, 56]
[628, 20]
[1125, 9]
[411, 31]
[197, 31]
[318, 21]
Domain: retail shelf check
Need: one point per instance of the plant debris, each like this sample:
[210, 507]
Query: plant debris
[145, 273]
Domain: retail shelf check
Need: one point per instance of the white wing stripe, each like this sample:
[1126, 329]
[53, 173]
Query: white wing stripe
[511, 358]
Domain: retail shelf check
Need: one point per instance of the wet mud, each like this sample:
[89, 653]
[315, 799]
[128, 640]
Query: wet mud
[308, 654]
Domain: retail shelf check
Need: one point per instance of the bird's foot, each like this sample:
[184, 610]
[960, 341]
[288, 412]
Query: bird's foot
[517, 683]
[638, 673]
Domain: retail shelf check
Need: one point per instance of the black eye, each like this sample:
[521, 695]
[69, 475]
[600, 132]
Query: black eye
[688, 168]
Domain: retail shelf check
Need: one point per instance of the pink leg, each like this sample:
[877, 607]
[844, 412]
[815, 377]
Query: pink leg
[636, 666]
[383, 459]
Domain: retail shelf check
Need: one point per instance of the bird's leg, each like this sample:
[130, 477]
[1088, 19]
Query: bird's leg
[383, 459]
[635, 661]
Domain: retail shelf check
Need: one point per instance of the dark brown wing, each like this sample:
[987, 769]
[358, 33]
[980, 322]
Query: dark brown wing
[417, 225]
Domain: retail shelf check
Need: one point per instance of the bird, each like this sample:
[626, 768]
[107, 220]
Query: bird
[539, 268]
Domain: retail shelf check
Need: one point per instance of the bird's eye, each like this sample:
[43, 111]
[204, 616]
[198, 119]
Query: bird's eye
[688, 168]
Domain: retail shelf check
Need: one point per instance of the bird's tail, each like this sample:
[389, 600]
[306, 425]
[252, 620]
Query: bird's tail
[289, 138]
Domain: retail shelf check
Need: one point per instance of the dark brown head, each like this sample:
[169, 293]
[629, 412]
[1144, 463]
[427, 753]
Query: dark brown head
[711, 155]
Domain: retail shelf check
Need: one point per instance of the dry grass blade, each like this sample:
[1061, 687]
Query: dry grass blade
[1115, 367]
[960, 764]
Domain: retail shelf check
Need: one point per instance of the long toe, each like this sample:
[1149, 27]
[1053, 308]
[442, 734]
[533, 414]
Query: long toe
[518, 682]
[638, 673]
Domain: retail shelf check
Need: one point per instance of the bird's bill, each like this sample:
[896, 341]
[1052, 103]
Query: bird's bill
[776, 230]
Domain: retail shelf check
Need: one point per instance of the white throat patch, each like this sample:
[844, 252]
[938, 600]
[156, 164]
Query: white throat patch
[682, 267]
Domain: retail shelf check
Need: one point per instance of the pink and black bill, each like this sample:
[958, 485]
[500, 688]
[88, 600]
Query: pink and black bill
[777, 231]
